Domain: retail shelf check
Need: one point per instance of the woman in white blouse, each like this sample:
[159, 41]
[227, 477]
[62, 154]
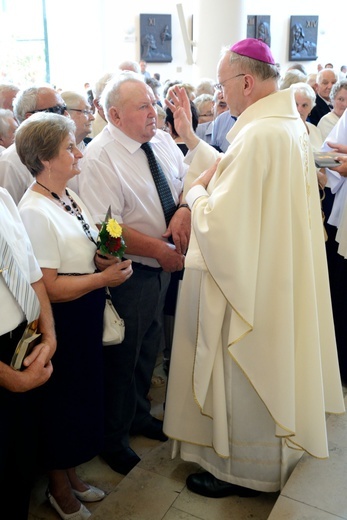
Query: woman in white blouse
[64, 241]
[338, 96]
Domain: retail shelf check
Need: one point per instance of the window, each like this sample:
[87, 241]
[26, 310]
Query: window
[23, 39]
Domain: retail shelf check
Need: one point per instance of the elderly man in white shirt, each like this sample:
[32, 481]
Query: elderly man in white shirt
[116, 172]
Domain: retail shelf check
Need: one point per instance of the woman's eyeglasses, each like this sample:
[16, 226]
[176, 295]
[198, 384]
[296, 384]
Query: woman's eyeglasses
[86, 112]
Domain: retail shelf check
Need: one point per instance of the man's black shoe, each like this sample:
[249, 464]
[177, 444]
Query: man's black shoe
[207, 485]
[152, 430]
[122, 461]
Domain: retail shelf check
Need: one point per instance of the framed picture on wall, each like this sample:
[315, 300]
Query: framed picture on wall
[303, 38]
[258, 26]
[155, 37]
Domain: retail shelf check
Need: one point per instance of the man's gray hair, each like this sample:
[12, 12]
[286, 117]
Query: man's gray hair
[111, 94]
[101, 84]
[24, 102]
[130, 66]
[321, 74]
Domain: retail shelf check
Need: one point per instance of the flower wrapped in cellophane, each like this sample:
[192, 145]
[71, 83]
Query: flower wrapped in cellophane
[110, 240]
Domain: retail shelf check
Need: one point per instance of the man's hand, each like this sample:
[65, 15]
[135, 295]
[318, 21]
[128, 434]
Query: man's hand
[342, 169]
[179, 230]
[339, 148]
[36, 374]
[169, 259]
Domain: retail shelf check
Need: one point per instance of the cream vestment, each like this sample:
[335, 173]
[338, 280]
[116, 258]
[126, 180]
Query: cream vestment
[254, 364]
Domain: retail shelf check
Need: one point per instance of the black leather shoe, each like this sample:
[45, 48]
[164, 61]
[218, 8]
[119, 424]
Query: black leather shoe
[153, 430]
[121, 461]
[207, 485]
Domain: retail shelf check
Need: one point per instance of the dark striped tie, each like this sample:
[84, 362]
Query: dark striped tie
[17, 283]
[163, 188]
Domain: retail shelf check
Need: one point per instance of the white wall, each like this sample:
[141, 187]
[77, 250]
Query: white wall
[88, 38]
[331, 28]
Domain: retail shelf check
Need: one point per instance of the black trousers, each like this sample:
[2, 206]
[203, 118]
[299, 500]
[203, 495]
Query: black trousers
[19, 415]
[128, 367]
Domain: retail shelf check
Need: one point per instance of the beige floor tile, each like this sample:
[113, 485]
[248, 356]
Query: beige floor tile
[159, 461]
[337, 427]
[236, 508]
[155, 489]
[288, 509]
[321, 483]
[141, 495]
[337, 430]
[176, 514]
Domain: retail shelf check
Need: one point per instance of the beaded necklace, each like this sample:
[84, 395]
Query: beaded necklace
[73, 210]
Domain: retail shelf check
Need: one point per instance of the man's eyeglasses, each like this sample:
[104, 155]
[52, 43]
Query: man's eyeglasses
[209, 114]
[220, 86]
[86, 112]
[57, 109]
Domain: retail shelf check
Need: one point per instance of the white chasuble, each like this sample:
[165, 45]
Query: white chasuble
[254, 364]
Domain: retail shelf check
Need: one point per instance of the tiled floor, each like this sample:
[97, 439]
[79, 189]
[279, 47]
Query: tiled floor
[155, 489]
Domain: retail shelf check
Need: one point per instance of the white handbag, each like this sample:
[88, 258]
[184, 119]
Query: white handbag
[114, 327]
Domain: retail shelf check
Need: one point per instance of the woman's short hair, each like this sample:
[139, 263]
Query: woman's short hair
[39, 139]
[337, 87]
[201, 100]
[305, 90]
[291, 77]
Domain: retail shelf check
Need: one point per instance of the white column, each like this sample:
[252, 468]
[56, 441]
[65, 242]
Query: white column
[218, 23]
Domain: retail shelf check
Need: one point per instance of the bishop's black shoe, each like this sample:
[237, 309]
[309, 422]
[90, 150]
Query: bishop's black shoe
[207, 485]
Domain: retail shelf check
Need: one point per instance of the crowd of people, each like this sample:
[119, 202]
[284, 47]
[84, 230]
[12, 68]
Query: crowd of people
[216, 191]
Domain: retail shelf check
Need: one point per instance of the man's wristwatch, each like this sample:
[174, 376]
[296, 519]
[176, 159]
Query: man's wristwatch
[183, 206]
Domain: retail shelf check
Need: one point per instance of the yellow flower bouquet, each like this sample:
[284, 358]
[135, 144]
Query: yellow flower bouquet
[110, 240]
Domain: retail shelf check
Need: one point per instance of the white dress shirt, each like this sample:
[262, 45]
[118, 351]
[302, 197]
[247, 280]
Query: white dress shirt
[12, 228]
[115, 172]
[14, 176]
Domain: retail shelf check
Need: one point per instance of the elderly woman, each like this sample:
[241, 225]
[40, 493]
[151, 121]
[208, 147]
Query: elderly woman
[305, 98]
[64, 242]
[338, 96]
[291, 77]
[204, 105]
